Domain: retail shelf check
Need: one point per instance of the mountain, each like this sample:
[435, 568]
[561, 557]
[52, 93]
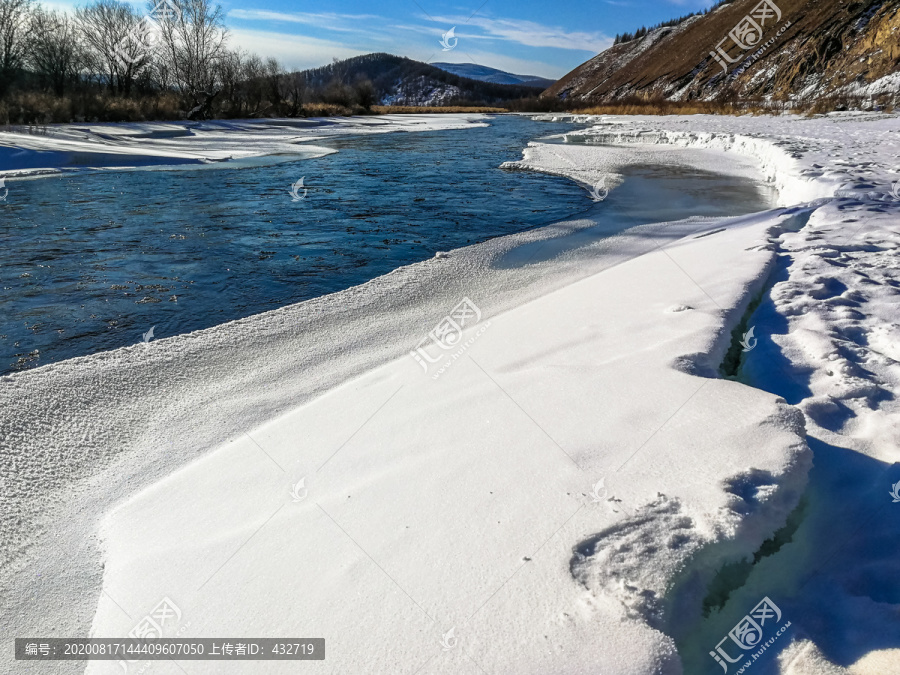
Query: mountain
[802, 49]
[486, 74]
[401, 81]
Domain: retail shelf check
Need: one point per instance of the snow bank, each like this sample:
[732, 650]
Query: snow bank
[467, 502]
[827, 334]
[71, 147]
[840, 303]
[841, 154]
[585, 165]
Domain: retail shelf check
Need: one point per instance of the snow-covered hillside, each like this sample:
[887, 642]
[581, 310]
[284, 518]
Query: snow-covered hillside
[487, 74]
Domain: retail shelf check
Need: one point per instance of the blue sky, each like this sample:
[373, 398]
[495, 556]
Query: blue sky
[528, 37]
[523, 36]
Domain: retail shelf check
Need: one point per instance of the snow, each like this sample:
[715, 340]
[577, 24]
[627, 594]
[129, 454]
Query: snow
[560, 498]
[888, 84]
[840, 302]
[421, 91]
[584, 165]
[57, 148]
[831, 330]
[828, 331]
[482, 481]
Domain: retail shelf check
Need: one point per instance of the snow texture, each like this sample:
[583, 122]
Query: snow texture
[561, 490]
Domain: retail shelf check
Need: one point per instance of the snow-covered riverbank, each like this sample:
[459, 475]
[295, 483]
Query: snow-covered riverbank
[826, 336]
[557, 492]
[431, 505]
[841, 154]
[77, 147]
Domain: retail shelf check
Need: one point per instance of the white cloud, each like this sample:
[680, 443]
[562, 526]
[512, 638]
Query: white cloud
[345, 23]
[461, 31]
[296, 52]
[532, 34]
[367, 26]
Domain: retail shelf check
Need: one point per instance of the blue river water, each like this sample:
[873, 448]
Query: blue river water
[91, 261]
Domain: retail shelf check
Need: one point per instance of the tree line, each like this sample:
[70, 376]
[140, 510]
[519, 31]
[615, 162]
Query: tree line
[109, 61]
[643, 30]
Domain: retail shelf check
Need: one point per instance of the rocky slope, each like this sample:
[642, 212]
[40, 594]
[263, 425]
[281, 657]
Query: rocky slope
[753, 49]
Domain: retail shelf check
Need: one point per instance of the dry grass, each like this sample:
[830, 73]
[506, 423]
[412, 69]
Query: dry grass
[330, 110]
[34, 108]
[334, 110]
[42, 108]
[656, 106]
[677, 108]
[31, 108]
[419, 109]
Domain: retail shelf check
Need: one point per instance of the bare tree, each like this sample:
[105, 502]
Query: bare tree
[228, 70]
[293, 86]
[194, 41]
[55, 51]
[340, 69]
[15, 16]
[115, 37]
[253, 73]
[160, 72]
[274, 76]
[366, 95]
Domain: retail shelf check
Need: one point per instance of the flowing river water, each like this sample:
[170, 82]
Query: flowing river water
[92, 261]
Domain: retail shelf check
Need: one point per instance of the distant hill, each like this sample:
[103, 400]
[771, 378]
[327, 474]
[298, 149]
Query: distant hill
[486, 74]
[809, 49]
[398, 80]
